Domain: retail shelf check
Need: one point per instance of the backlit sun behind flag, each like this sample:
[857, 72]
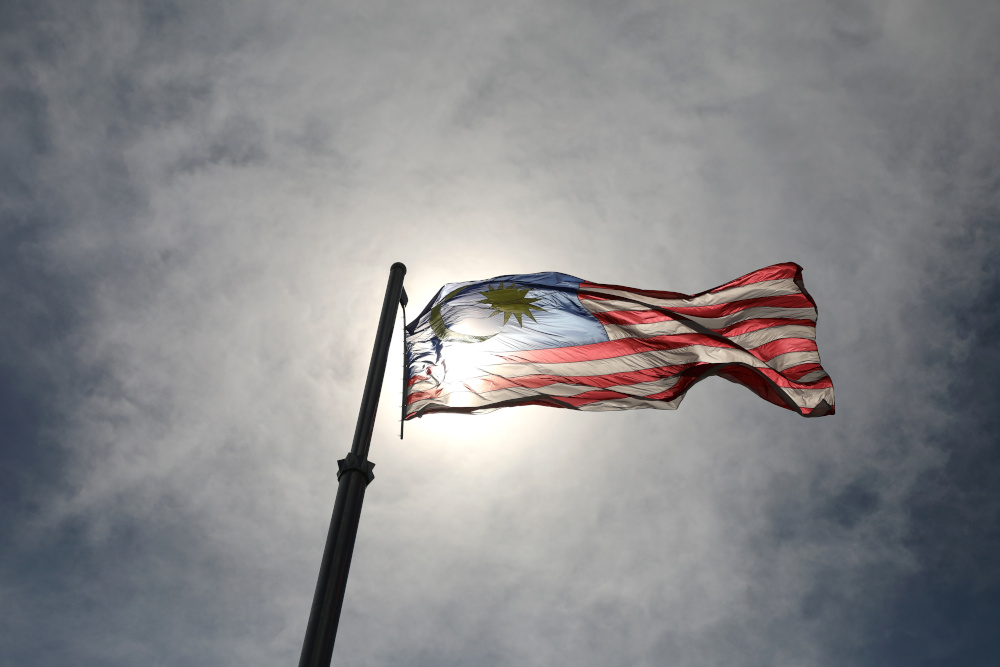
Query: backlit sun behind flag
[552, 339]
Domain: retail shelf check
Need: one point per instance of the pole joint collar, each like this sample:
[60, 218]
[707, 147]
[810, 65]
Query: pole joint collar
[355, 462]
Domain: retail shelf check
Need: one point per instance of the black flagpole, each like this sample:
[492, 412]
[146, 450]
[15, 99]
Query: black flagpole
[354, 476]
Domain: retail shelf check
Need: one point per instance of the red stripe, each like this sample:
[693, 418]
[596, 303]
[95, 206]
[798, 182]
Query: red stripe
[600, 381]
[415, 396]
[755, 383]
[795, 373]
[631, 317]
[418, 378]
[594, 396]
[783, 380]
[719, 309]
[769, 351]
[723, 309]
[624, 346]
[773, 272]
[611, 349]
[667, 395]
[746, 326]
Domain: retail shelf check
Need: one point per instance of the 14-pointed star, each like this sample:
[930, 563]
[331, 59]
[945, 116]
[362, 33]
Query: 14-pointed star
[510, 301]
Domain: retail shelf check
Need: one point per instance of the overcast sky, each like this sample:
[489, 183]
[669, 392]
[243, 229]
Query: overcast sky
[200, 203]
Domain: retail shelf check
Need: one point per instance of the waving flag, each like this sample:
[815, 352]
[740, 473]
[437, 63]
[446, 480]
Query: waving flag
[552, 339]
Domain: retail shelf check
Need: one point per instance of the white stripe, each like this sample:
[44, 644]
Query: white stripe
[647, 388]
[781, 287]
[790, 359]
[753, 339]
[667, 328]
[809, 398]
[631, 404]
[747, 341]
[423, 385]
[470, 399]
[812, 376]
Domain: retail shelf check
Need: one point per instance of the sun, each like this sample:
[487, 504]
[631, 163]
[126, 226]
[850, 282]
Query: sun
[510, 301]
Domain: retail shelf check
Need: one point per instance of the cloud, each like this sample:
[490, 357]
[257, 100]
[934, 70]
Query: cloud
[200, 204]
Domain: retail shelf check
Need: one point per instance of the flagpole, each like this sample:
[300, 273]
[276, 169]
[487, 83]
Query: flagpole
[354, 475]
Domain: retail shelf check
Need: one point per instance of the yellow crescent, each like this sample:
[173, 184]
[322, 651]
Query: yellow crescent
[443, 332]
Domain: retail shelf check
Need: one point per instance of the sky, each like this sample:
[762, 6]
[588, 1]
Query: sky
[199, 205]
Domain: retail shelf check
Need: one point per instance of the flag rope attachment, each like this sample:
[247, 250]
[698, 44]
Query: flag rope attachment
[406, 376]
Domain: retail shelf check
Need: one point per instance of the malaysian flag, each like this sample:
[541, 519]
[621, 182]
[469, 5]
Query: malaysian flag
[552, 339]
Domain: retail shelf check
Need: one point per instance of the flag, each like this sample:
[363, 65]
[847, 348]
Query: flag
[552, 339]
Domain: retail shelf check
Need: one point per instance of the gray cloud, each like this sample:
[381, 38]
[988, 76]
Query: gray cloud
[199, 205]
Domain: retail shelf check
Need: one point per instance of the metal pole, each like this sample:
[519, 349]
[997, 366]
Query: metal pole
[354, 475]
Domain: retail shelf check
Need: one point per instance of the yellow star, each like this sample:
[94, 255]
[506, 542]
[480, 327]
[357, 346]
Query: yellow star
[510, 301]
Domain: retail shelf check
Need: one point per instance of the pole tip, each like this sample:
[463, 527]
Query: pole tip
[398, 266]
